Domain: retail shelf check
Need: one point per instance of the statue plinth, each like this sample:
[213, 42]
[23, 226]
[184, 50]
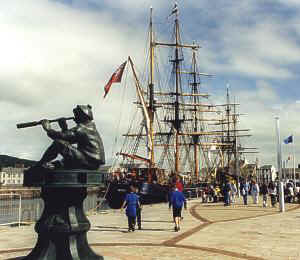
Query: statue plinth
[63, 225]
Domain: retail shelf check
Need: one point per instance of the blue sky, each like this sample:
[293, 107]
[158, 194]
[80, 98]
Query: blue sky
[56, 54]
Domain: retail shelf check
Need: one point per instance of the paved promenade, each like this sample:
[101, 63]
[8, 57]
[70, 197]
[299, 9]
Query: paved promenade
[208, 231]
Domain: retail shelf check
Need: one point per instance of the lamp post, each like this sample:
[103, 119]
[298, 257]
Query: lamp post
[279, 164]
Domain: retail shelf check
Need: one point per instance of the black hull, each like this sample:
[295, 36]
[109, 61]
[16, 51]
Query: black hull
[116, 194]
[149, 193]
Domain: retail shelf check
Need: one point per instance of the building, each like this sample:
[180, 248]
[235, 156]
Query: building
[12, 176]
[266, 173]
[288, 173]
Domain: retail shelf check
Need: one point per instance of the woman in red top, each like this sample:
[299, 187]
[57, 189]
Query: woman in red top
[179, 184]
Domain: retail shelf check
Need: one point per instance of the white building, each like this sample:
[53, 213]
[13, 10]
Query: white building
[266, 173]
[288, 173]
[12, 176]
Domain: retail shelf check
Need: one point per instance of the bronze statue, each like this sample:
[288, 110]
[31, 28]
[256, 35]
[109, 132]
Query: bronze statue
[88, 152]
[63, 226]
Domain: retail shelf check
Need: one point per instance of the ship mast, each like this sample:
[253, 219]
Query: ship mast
[232, 136]
[235, 144]
[151, 87]
[178, 105]
[177, 122]
[195, 137]
[151, 97]
[228, 125]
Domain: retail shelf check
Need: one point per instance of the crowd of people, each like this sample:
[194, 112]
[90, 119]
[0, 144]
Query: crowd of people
[253, 189]
[212, 193]
[227, 192]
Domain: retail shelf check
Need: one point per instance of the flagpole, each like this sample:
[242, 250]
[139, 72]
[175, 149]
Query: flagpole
[279, 164]
[284, 169]
[294, 161]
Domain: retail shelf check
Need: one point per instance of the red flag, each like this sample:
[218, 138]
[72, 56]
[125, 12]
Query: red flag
[116, 77]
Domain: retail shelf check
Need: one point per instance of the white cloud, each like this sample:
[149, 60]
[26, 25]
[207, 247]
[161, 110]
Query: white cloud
[55, 55]
[261, 104]
[248, 37]
[290, 3]
[52, 58]
[254, 67]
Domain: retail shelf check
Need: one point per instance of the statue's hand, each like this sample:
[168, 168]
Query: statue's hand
[62, 122]
[46, 124]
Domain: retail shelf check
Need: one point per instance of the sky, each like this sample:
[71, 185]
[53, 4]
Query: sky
[56, 54]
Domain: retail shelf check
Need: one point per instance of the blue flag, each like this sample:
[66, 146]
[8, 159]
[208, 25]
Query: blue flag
[288, 139]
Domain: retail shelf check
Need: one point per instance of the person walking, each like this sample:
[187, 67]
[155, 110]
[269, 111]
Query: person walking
[255, 192]
[138, 210]
[227, 190]
[205, 195]
[290, 193]
[297, 192]
[244, 191]
[179, 184]
[233, 192]
[131, 203]
[176, 202]
[273, 193]
[264, 192]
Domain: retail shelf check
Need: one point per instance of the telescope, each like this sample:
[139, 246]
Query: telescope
[35, 123]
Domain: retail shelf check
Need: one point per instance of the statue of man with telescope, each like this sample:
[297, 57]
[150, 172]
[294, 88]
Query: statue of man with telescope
[64, 185]
[81, 146]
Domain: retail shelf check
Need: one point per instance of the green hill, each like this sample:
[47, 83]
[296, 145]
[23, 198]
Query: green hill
[10, 161]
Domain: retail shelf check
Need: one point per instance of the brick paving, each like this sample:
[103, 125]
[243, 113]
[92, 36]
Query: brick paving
[208, 231]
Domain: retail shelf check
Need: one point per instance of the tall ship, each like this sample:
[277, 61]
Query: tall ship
[232, 156]
[176, 131]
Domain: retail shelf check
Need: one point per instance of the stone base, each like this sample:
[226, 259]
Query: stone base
[63, 247]
[63, 225]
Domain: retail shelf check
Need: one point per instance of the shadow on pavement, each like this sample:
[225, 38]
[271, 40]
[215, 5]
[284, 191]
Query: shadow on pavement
[109, 229]
[157, 229]
[157, 221]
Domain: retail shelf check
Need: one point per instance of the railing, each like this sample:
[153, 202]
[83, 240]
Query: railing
[16, 209]
[90, 202]
[191, 192]
[10, 209]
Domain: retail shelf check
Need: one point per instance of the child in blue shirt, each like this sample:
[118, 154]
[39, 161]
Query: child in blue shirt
[131, 202]
[177, 201]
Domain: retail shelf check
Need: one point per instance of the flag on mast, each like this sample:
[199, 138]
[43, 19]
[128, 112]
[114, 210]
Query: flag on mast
[288, 139]
[115, 78]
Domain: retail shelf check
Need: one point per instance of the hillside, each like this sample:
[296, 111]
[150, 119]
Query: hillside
[7, 161]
